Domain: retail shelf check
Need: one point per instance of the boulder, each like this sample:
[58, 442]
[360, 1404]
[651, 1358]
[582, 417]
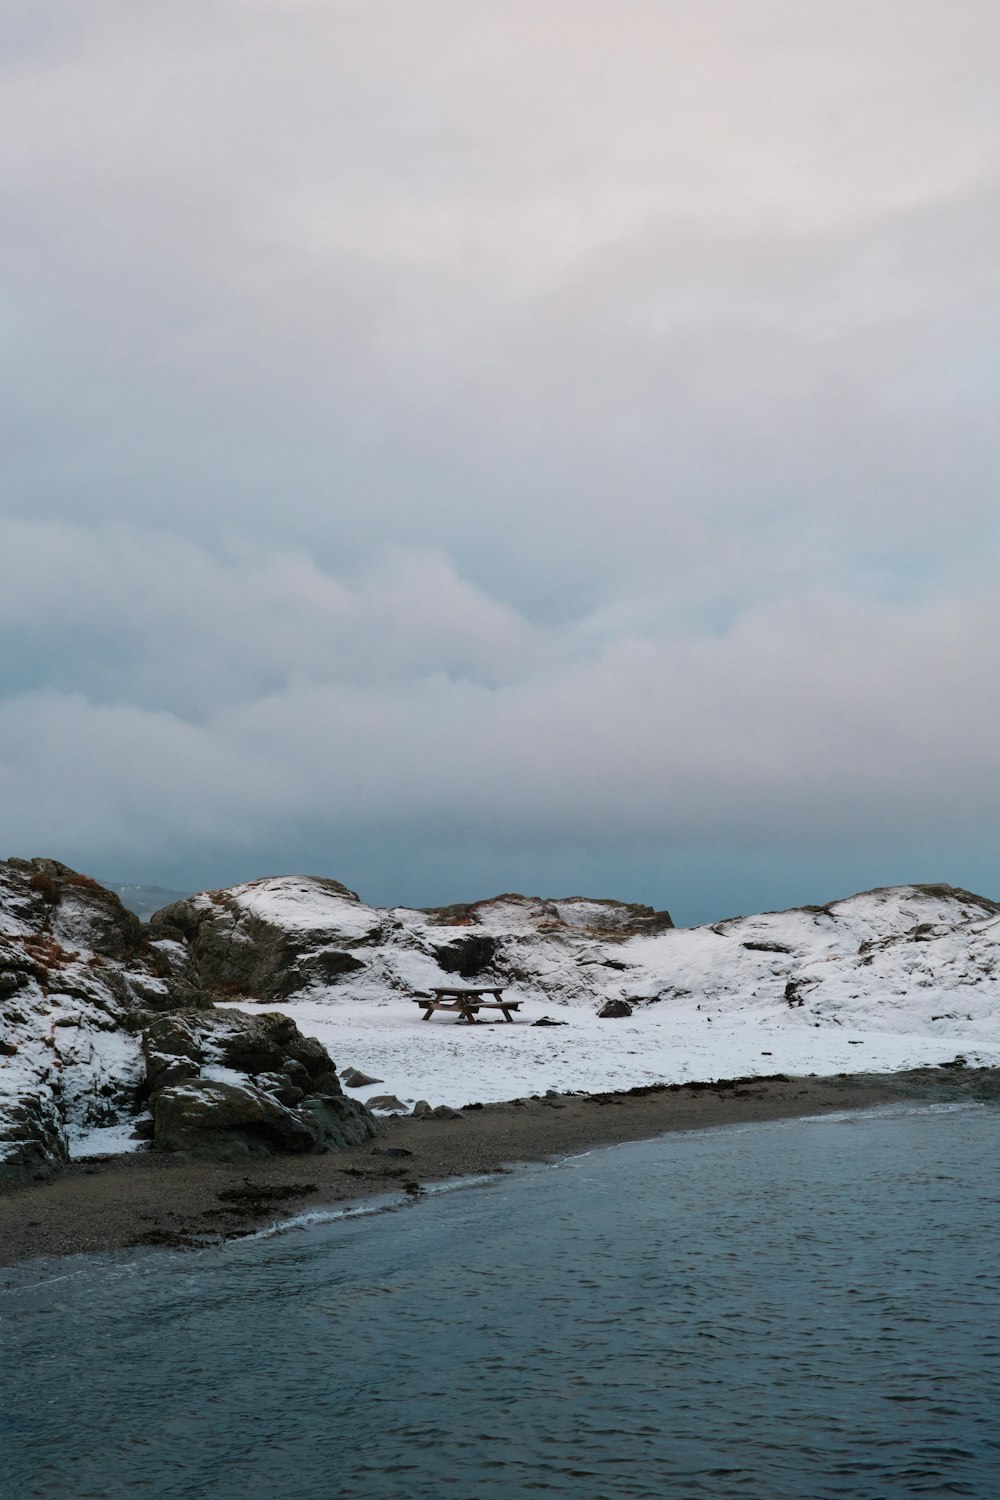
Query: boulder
[342, 1122]
[388, 1104]
[614, 1010]
[205, 1118]
[291, 1100]
[355, 1079]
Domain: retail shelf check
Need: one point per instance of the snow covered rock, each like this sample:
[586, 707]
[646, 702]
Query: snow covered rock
[272, 937]
[73, 962]
[90, 1029]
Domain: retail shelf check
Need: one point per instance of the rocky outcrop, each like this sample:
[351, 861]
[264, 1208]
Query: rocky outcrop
[101, 1017]
[269, 948]
[578, 914]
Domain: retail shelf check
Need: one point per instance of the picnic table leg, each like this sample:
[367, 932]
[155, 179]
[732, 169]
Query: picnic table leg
[427, 1013]
[506, 1013]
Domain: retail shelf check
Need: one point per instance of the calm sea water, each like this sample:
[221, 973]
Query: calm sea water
[798, 1309]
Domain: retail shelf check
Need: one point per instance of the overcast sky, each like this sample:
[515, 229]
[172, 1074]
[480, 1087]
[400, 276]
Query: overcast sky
[546, 445]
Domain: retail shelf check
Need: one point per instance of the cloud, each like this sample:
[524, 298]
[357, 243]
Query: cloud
[252, 696]
[513, 427]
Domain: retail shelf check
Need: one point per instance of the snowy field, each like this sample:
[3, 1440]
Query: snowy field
[448, 1062]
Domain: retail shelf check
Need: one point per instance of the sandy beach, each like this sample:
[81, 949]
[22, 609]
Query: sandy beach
[157, 1199]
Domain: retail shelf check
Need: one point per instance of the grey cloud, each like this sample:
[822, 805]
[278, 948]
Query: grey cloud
[565, 425]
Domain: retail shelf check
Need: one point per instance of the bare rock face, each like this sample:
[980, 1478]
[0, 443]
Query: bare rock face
[76, 910]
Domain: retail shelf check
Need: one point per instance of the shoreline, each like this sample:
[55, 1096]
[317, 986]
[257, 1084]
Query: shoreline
[147, 1198]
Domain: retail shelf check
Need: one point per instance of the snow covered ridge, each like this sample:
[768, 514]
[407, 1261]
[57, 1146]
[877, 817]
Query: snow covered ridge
[886, 980]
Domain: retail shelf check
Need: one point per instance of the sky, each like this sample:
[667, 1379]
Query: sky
[461, 447]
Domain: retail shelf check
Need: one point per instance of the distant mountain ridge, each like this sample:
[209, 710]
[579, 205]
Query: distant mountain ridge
[144, 900]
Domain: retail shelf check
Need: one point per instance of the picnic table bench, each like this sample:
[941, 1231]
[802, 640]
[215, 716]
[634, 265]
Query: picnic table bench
[466, 1002]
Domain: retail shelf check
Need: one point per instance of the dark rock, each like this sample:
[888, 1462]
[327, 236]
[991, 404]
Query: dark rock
[210, 1119]
[467, 956]
[387, 1102]
[78, 910]
[32, 1144]
[355, 1079]
[614, 1010]
[445, 1112]
[548, 1021]
[280, 1087]
[422, 1108]
[391, 1151]
[341, 1122]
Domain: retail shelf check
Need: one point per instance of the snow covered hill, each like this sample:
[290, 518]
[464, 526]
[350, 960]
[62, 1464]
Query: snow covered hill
[884, 980]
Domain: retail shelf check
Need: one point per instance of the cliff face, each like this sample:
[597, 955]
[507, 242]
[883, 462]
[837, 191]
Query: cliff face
[85, 995]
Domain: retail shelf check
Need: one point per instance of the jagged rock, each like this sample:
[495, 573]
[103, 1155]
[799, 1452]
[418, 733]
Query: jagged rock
[388, 1104]
[614, 1010]
[32, 1142]
[265, 1043]
[293, 1071]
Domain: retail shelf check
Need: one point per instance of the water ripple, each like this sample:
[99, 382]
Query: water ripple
[789, 1312]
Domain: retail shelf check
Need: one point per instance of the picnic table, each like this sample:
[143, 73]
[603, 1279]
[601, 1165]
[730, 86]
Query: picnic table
[466, 1002]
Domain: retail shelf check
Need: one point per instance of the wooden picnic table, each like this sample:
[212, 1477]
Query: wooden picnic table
[466, 1001]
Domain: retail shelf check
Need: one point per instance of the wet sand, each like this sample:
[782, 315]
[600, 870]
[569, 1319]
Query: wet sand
[151, 1198]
